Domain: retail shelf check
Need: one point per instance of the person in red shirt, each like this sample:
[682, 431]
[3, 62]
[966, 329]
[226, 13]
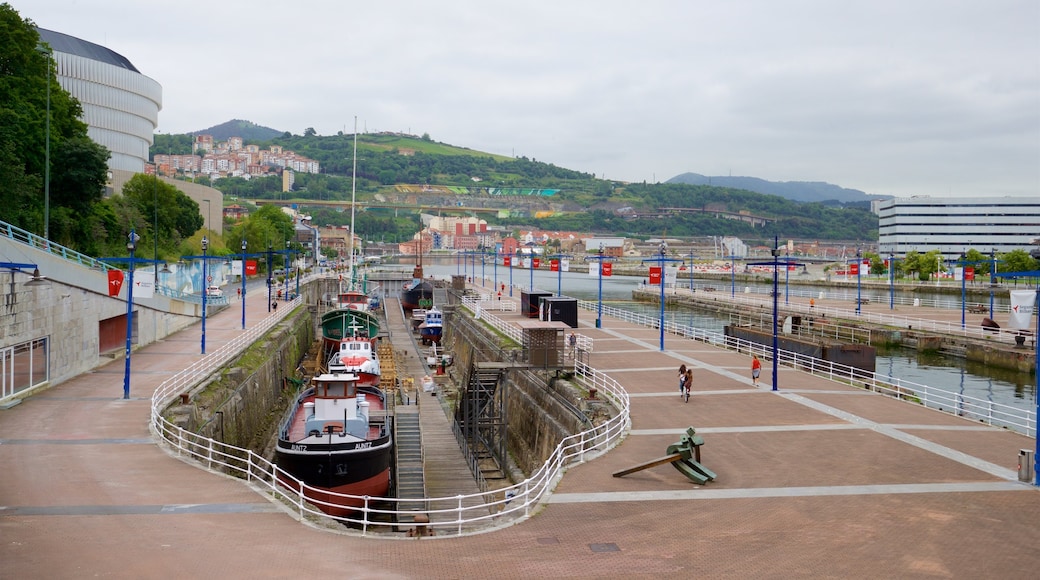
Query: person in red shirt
[756, 369]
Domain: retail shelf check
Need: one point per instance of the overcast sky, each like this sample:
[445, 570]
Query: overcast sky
[892, 97]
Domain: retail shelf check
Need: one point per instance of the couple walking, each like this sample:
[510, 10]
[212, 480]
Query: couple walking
[685, 381]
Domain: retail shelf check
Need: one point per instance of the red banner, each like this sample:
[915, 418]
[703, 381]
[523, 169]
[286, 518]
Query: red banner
[607, 268]
[250, 267]
[554, 265]
[115, 282]
[507, 260]
[655, 274]
[854, 268]
[535, 262]
[969, 273]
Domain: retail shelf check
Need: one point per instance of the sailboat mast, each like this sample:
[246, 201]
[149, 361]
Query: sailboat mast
[353, 197]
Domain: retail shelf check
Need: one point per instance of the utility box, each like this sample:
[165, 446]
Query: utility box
[544, 342]
[529, 302]
[1025, 465]
[559, 308]
[458, 282]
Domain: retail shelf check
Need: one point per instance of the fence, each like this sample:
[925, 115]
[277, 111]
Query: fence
[454, 514]
[989, 412]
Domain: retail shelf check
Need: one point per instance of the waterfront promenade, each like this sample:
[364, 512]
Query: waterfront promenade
[817, 479]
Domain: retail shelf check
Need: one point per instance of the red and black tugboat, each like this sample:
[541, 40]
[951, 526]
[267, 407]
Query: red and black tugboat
[337, 439]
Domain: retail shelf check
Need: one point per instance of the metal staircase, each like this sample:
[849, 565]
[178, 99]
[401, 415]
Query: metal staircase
[410, 481]
[481, 421]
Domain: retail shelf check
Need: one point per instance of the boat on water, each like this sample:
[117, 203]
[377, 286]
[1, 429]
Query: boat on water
[432, 326]
[337, 439]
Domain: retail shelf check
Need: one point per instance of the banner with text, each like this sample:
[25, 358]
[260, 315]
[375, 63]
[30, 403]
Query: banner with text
[1021, 309]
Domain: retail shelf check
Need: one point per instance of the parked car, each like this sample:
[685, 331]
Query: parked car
[214, 291]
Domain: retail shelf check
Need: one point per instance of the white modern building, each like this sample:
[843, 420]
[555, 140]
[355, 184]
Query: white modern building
[120, 105]
[954, 225]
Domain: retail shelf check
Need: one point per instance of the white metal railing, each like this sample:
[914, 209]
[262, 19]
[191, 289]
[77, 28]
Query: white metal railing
[907, 322]
[452, 514]
[989, 412]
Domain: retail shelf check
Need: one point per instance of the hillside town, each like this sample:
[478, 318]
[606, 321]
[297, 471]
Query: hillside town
[232, 158]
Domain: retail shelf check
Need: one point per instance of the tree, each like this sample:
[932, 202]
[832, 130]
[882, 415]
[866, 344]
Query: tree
[309, 132]
[1016, 261]
[28, 90]
[162, 205]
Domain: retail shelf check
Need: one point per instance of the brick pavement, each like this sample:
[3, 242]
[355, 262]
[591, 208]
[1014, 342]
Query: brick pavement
[815, 480]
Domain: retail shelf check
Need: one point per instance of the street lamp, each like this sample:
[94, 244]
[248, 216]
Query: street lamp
[131, 245]
[47, 150]
[691, 270]
[494, 287]
[244, 244]
[599, 257]
[964, 290]
[775, 252]
[483, 275]
[993, 280]
[205, 290]
[661, 259]
[891, 281]
[270, 281]
[531, 264]
[859, 284]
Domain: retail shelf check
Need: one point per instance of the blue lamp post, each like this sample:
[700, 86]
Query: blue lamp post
[270, 280]
[600, 258]
[205, 290]
[530, 263]
[691, 270]
[661, 259]
[963, 262]
[859, 286]
[776, 302]
[559, 270]
[1036, 351]
[512, 256]
[131, 246]
[494, 268]
[243, 284]
[483, 272]
[891, 281]
[993, 280]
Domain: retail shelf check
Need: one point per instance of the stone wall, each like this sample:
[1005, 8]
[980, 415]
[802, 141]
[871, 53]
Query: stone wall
[243, 403]
[537, 418]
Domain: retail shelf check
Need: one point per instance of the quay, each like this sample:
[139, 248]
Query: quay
[920, 327]
[816, 479]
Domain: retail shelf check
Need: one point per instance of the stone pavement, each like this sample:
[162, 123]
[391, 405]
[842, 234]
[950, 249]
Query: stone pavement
[815, 480]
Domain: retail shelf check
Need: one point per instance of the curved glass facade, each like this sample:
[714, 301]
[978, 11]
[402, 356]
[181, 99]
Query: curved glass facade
[120, 105]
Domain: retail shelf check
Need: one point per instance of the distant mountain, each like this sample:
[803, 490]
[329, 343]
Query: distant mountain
[247, 130]
[817, 191]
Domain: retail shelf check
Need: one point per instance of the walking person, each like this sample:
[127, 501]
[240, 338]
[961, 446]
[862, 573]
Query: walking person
[688, 384]
[572, 342]
[682, 378]
[756, 369]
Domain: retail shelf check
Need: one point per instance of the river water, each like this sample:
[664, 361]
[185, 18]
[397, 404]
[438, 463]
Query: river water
[936, 370]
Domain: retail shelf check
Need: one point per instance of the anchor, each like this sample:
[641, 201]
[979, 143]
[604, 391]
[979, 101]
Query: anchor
[684, 456]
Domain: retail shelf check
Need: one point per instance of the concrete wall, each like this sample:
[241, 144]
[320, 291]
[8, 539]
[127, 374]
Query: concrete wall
[243, 404]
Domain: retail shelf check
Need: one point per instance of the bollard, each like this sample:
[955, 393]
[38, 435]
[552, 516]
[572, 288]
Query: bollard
[1025, 465]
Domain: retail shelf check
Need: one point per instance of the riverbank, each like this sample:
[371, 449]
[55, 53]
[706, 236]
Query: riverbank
[930, 329]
